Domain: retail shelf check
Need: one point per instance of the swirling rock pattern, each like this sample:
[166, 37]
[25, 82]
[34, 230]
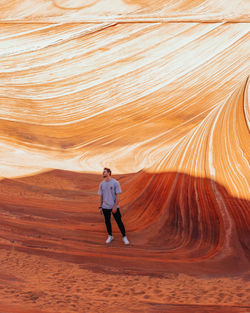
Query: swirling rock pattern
[159, 93]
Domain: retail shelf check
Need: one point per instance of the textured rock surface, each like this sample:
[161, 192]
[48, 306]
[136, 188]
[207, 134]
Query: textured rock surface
[159, 93]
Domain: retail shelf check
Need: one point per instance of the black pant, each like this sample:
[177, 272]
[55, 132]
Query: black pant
[118, 219]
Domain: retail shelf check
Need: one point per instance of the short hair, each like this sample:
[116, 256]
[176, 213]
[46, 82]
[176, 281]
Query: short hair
[108, 170]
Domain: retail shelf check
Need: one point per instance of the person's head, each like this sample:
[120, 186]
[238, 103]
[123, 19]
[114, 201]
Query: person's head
[106, 172]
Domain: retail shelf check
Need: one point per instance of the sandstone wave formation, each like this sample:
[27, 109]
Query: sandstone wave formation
[157, 92]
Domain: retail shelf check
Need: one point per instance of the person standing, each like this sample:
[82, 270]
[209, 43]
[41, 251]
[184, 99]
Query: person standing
[109, 190]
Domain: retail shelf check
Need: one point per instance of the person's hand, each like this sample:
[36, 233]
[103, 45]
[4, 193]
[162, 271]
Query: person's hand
[114, 210]
[100, 210]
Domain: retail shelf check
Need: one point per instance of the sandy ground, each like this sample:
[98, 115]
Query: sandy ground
[30, 283]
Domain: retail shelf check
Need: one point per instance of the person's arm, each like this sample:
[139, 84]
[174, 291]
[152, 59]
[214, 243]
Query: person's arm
[101, 198]
[114, 210]
[117, 191]
[100, 207]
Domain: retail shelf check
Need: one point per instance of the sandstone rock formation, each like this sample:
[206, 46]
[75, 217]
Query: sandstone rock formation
[160, 94]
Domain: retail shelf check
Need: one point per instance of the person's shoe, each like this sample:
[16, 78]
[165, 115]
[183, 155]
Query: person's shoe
[125, 240]
[110, 238]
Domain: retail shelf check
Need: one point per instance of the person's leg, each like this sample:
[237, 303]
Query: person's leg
[118, 219]
[107, 216]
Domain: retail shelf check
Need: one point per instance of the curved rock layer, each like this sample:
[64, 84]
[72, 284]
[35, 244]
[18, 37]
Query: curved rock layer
[124, 10]
[164, 105]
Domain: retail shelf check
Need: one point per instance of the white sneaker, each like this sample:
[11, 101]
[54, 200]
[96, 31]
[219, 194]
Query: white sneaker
[125, 240]
[110, 238]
